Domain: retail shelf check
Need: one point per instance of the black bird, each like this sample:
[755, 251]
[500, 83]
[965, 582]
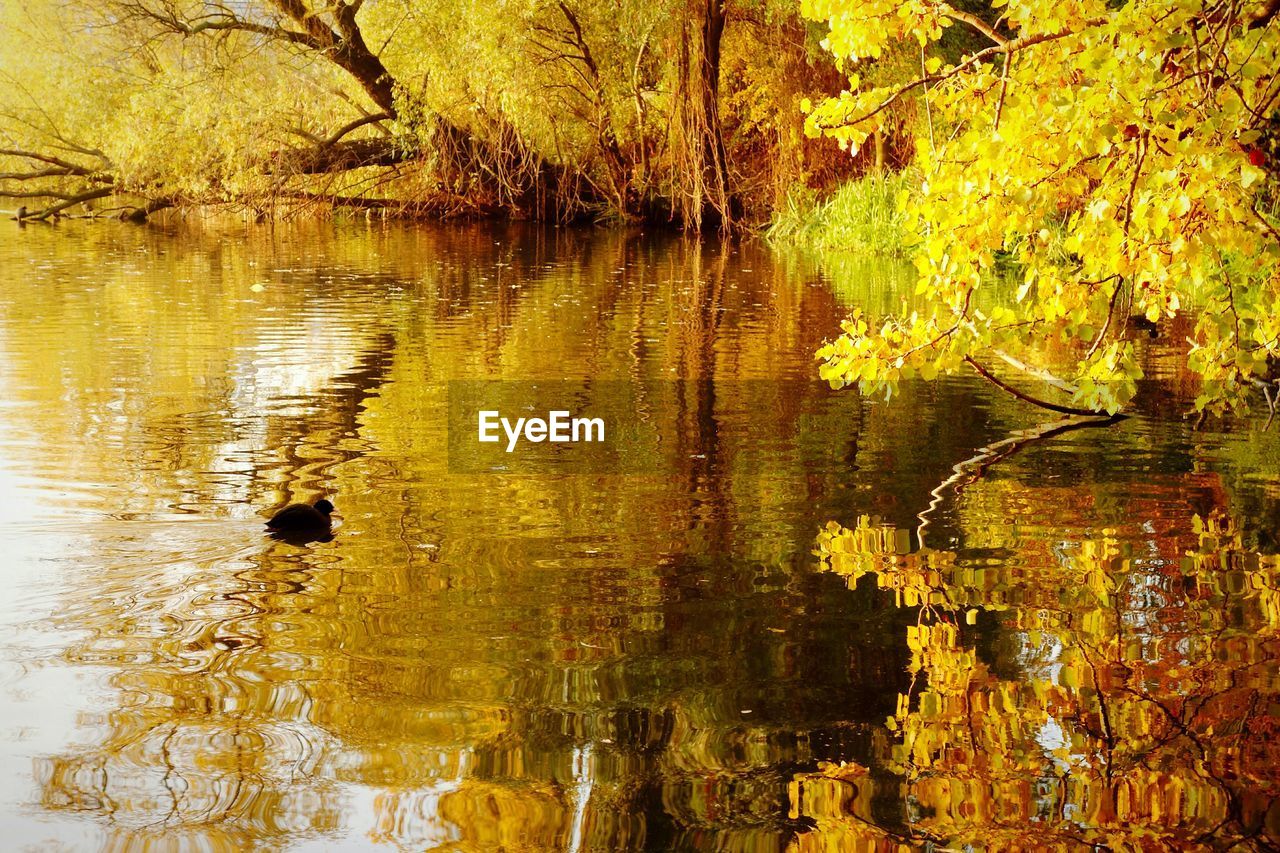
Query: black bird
[300, 518]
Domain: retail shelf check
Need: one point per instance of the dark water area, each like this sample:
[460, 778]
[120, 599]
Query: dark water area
[802, 620]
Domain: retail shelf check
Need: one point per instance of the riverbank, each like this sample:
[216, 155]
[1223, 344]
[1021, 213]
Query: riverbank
[863, 216]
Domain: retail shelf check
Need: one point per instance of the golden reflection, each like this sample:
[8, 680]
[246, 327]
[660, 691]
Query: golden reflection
[588, 662]
[475, 661]
[1108, 688]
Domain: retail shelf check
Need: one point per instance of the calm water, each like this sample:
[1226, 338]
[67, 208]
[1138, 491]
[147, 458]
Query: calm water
[812, 625]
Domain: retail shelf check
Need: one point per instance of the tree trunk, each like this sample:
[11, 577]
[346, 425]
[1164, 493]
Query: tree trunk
[714, 156]
[344, 45]
[714, 159]
[701, 170]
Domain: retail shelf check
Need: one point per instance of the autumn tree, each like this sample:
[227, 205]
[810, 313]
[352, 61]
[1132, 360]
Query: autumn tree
[542, 108]
[1090, 166]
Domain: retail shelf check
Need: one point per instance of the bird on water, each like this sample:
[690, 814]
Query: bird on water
[297, 518]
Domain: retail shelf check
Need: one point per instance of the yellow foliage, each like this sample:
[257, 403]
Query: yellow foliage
[1109, 153]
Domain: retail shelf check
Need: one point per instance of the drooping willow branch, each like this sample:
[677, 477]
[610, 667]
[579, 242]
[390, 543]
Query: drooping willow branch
[341, 42]
[508, 168]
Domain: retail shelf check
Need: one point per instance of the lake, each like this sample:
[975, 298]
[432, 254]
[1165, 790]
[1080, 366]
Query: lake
[791, 618]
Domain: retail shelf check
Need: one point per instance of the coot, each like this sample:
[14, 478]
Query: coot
[300, 517]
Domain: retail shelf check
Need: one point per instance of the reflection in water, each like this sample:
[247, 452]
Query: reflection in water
[591, 661]
[1096, 666]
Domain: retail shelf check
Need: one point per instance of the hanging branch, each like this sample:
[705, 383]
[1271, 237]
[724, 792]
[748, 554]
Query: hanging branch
[1027, 398]
[1007, 48]
[70, 201]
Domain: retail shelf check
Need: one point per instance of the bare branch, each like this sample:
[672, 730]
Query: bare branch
[1038, 372]
[221, 19]
[58, 172]
[72, 168]
[978, 24]
[373, 118]
[305, 134]
[36, 194]
[1111, 309]
[1133, 184]
[1027, 398]
[1004, 90]
[88, 195]
[344, 47]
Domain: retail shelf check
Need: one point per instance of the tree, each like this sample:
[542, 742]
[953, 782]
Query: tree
[537, 108]
[1092, 167]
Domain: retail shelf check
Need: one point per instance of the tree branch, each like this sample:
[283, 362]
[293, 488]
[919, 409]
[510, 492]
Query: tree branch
[30, 176]
[1027, 398]
[344, 47]
[1004, 90]
[1265, 223]
[88, 195]
[1111, 309]
[1037, 372]
[337, 155]
[1007, 48]
[978, 24]
[372, 118]
[72, 168]
[36, 194]
[155, 205]
[222, 20]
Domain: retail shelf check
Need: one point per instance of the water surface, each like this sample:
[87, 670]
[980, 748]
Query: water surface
[817, 622]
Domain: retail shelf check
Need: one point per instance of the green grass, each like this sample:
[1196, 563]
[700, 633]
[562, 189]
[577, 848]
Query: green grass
[862, 217]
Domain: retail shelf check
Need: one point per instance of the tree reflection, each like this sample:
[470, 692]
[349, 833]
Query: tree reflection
[483, 661]
[603, 662]
[1104, 689]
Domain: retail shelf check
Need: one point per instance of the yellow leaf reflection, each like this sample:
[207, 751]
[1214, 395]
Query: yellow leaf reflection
[1127, 711]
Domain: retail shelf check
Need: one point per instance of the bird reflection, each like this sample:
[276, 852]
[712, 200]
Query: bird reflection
[301, 537]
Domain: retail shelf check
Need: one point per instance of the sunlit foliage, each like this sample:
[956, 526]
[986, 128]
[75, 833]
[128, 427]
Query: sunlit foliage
[170, 119]
[667, 111]
[1093, 163]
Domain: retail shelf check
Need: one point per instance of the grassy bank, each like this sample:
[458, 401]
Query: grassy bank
[862, 216]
